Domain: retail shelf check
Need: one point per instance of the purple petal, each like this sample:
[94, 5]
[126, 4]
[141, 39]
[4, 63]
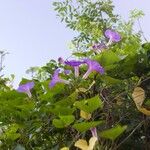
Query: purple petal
[99, 46]
[30, 85]
[55, 75]
[52, 83]
[56, 79]
[112, 35]
[94, 132]
[25, 88]
[74, 63]
[94, 66]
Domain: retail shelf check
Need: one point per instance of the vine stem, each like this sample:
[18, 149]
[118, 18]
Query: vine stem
[141, 30]
[129, 135]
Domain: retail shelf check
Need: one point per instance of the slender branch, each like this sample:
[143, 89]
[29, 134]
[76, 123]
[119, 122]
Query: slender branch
[129, 134]
[141, 30]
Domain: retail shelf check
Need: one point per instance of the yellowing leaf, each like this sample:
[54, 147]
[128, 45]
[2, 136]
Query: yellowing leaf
[64, 148]
[138, 96]
[83, 145]
[85, 115]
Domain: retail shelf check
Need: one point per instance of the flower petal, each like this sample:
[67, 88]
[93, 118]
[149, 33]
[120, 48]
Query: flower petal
[74, 63]
[112, 35]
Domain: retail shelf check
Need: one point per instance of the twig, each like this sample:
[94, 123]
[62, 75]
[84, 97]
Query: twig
[130, 134]
[141, 30]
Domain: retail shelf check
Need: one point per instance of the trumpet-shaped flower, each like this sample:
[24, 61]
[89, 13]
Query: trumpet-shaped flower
[92, 66]
[75, 64]
[25, 88]
[112, 36]
[57, 79]
[94, 132]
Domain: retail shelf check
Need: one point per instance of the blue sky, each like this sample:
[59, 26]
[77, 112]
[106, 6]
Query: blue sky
[32, 34]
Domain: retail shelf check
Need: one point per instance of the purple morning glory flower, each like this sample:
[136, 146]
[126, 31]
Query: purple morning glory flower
[94, 132]
[75, 64]
[98, 48]
[92, 66]
[25, 88]
[57, 79]
[112, 36]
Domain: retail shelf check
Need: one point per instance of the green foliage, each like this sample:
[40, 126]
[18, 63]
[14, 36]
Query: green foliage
[113, 133]
[84, 126]
[64, 121]
[89, 18]
[51, 118]
[89, 105]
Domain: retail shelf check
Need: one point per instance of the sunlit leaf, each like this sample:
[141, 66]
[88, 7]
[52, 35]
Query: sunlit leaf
[89, 105]
[84, 126]
[64, 121]
[113, 133]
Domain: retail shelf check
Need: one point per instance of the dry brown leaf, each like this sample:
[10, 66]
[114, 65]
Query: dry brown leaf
[144, 111]
[138, 96]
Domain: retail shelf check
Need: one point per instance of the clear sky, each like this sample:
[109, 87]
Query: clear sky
[32, 34]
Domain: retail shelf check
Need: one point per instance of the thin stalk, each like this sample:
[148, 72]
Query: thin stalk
[129, 135]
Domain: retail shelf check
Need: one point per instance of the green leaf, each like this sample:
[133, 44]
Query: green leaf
[68, 100]
[89, 105]
[109, 80]
[146, 46]
[64, 121]
[113, 133]
[10, 133]
[108, 58]
[58, 123]
[84, 126]
[57, 89]
[67, 120]
[61, 110]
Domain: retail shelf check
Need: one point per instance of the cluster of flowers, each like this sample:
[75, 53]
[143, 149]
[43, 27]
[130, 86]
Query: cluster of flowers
[113, 38]
[92, 66]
